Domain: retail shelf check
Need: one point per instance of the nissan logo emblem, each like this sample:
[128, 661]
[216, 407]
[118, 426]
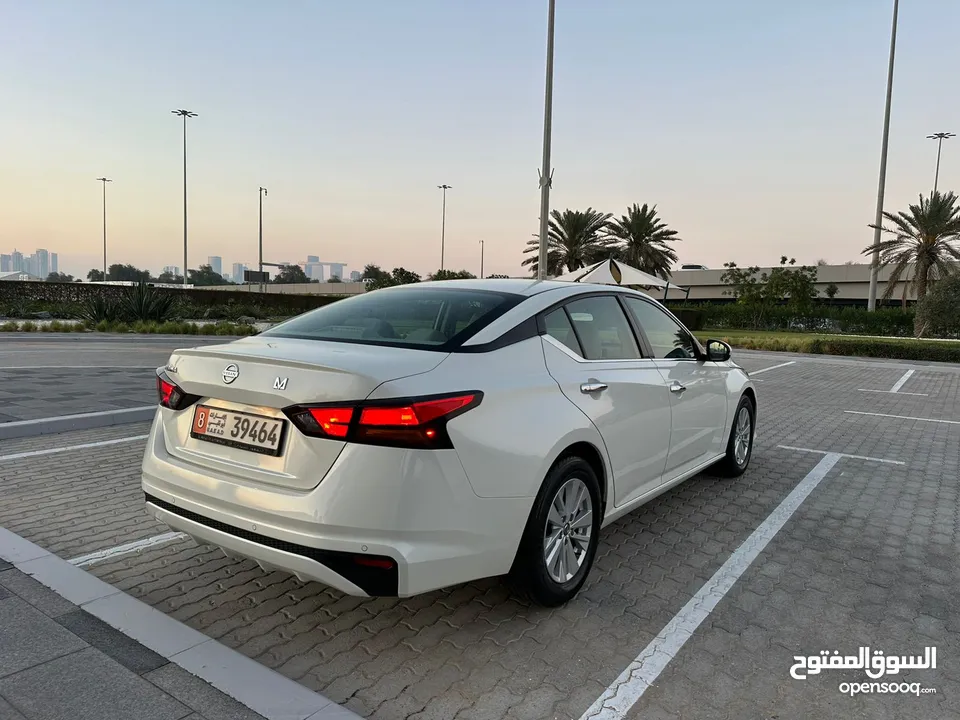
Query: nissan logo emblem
[230, 373]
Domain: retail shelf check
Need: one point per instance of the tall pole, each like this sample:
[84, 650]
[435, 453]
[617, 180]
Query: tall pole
[104, 182]
[443, 220]
[939, 137]
[184, 114]
[263, 191]
[875, 264]
[546, 174]
[481, 259]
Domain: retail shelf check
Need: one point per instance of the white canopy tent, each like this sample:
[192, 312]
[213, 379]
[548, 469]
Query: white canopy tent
[614, 272]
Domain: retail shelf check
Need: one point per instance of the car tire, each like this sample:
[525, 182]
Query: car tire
[555, 538]
[736, 461]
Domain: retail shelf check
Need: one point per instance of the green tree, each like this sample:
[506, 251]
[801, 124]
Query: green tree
[923, 239]
[642, 239]
[59, 277]
[452, 275]
[495, 276]
[95, 275]
[375, 277]
[794, 283]
[127, 273]
[205, 276]
[290, 274]
[402, 276]
[575, 239]
[170, 278]
[334, 279]
[938, 312]
[831, 291]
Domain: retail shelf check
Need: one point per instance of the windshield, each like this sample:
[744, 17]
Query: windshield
[426, 318]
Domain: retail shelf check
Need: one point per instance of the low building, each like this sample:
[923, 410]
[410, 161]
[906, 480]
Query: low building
[20, 276]
[852, 283]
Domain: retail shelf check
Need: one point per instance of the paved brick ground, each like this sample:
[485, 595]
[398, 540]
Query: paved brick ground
[882, 538]
[50, 375]
[58, 661]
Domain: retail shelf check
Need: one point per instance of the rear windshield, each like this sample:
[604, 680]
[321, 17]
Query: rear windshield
[426, 318]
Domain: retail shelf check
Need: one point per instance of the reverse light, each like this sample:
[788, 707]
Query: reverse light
[410, 422]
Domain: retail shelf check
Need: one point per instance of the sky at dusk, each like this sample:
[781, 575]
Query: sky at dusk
[754, 126]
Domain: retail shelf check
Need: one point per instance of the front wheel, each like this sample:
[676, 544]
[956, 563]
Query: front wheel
[740, 444]
[560, 540]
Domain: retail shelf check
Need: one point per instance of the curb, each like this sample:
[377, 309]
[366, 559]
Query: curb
[265, 691]
[80, 421]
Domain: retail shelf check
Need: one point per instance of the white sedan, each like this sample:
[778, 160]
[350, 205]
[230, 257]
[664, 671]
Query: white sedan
[421, 436]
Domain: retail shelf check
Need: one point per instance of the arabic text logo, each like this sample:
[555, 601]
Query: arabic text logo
[875, 664]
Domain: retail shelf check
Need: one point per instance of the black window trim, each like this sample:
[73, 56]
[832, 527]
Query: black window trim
[638, 328]
[641, 339]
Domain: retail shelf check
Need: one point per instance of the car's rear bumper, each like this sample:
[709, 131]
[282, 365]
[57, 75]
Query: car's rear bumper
[414, 507]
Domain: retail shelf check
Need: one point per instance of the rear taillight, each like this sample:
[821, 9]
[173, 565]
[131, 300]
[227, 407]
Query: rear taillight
[411, 423]
[169, 395]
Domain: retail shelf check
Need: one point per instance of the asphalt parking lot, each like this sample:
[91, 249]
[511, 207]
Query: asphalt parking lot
[844, 533]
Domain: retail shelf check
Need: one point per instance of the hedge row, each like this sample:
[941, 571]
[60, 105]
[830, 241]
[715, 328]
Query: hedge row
[142, 328]
[891, 322]
[64, 299]
[891, 348]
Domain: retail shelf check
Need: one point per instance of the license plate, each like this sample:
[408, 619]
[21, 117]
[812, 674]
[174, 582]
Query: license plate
[256, 433]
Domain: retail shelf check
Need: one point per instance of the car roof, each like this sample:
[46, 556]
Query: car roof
[516, 286]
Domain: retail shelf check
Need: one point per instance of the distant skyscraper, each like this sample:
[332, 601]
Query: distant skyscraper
[172, 269]
[313, 269]
[41, 264]
[336, 270]
[6, 263]
[16, 262]
[53, 263]
[238, 270]
[216, 262]
[355, 275]
[313, 258]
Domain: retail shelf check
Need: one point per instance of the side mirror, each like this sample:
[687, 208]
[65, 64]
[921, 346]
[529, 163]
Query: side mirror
[718, 351]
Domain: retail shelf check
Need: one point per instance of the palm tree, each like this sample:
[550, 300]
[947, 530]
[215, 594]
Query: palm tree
[642, 239]
[922, 238]
[575, 239]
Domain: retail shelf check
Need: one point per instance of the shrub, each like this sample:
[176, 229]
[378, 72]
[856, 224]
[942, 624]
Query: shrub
[938, 312]
[146, 303]
[894, 348]
[28, 326]
[9, 326]
[99, 308]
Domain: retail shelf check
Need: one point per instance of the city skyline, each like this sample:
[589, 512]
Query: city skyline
[40, 263]
[773, 108]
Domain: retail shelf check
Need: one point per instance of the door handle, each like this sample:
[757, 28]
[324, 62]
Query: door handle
[592, 387]
[677, 387]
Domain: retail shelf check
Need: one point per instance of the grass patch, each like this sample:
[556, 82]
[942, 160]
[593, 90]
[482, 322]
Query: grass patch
[816, 344]
[141, 327]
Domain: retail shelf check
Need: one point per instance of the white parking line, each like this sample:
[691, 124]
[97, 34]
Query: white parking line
[132, 547]
[772, 367]
[83, 446]
[899, 384]
[896, 386]
[93, 365]
[633, 682]
[846, 455]
[903, 417]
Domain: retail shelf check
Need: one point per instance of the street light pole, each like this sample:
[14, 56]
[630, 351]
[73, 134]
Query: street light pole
[184, 114]
[939, 137]
[546, 174]
[104, 181]
[481, 259]
[875, 264]
[263, 192]
[443, 220]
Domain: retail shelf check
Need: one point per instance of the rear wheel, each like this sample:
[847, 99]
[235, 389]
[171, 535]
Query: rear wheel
[740, 444]
[560, 540]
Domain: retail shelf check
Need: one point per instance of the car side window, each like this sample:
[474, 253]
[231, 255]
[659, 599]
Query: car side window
[559, 328]
[603, 329]
[668, 339]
